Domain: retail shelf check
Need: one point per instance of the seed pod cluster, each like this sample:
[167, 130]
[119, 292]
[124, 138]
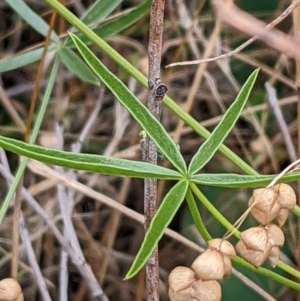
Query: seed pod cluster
[256, 245]
[262, 243]
[200, 282]
[10, 290]
[272, 203]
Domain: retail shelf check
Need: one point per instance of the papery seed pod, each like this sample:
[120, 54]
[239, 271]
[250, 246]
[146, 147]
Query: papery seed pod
[265, 207]
[209, 265]
[206, 290]
[227, 266]
[10, 290]
[184, 295]
[223, 246]
[282, 216]
[180, 283]
[255, 257]
[275, 235]
[255, 238]
[286, 196]
[274, 256]
[20, 297]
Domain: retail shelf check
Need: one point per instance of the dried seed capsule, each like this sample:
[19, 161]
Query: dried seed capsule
[255, 238]
[223, 246]
[282, 216]
[265, 208]
[206, 291]
[180, 282]
[274, 256]
[275, 235]
[254, 245]
[10, 290]
[209, 265]
[227, 266]
[286, 196]
[257, 258]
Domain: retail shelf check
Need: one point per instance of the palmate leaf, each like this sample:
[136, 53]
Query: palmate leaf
[139, 112]
[93, 163]
[159, 223]
[211, 145]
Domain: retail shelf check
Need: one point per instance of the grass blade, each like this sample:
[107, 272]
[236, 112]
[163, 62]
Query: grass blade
[31, 18]
[22, 59]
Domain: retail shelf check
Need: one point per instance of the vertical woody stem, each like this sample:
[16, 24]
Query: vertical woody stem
[154, 102]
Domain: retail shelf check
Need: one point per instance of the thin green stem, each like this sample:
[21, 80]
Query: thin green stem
[285, 267]
[265, 272]
[213, 210]
[196, 216]
[35, 131]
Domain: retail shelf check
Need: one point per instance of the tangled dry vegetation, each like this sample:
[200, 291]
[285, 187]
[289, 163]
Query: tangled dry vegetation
[110, 238]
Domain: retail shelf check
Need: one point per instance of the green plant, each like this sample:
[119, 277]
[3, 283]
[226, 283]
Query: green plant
[186, 177]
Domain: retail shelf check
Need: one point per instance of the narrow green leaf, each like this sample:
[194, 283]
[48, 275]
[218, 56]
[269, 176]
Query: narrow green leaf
[31, 18]
[159, 223]
[240, 181]
[22, 59]
[117, 25]
[140, 113]
[77, 66]
[211, 145]
[99, 10]
[94, 163]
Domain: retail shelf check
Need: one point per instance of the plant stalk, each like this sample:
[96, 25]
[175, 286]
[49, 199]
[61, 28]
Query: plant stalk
[154, 103]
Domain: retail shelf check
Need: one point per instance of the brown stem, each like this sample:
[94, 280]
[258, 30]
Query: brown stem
[154, 102]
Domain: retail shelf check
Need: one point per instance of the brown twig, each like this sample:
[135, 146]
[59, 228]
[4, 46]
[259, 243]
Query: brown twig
[154, 102]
